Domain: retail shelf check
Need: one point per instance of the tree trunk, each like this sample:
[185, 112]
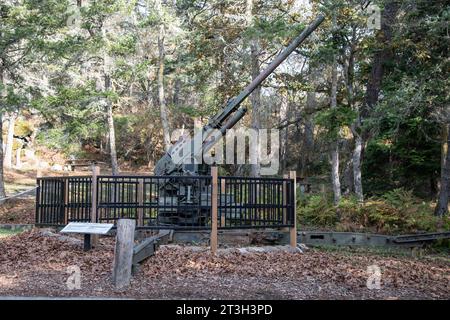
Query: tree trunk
[111, 129]
[255, 100]
[255, 97]
[444, 146]
[357, 168]
[442, 205]
[2, 178]
[308, 137]
[176, 93]
[18, 159]
[335, 174]
[112, 140]
[161, 98]
[335, 145]
[379, 59]
[373, 89]
[107, 62]
[10, 141]
[347, 181]
[358, 141]
[284, 133]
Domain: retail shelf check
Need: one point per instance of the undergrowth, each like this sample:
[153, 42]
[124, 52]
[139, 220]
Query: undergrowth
[396, 212]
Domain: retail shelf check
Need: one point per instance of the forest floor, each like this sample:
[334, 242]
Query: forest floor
[34, 263]
[18, 210]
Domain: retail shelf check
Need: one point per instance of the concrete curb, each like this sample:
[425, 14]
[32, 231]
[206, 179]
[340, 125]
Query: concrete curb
[12, 226]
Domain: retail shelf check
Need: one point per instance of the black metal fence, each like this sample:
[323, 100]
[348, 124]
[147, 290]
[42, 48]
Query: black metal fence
[255, 202]
[60, 200]
[158, 202]
[155, 201]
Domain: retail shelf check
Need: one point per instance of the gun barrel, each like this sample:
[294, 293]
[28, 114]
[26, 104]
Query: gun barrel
[173, 160]
[235, 102]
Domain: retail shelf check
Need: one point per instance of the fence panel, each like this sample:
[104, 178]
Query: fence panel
[246, 202]
[79, 200]
[50, 201]
[175, 202]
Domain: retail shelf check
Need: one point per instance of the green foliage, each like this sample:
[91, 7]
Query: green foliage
[56, 139]
[316, 211]
[335, 119]
[152, 19]
[133, 135]
[404, 153]
[124, 46]
[405, 149]
[395, 212]
[74, 116]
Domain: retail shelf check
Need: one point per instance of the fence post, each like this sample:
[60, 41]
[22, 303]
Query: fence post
[123, 253]
[95, 173]
[66, 198]
[285, 199]
[293, 230]
[140, 198]
[223, 191]
[214, 210]
[38, 196]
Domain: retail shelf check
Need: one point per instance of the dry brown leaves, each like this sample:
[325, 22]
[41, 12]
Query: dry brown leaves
[32, 264]
[18, 211]
[347, 271]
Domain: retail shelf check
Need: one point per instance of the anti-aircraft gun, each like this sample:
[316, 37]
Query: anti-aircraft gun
[184, 158]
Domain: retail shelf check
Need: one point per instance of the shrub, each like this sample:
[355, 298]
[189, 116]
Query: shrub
[317, 211]
[397, 211]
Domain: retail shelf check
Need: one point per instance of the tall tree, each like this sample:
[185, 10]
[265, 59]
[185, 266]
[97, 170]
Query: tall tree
[3, 94]
[26, 29]
[335, 180]
[161, 65]
[10, 140]
[255, 97]
[381, 56]
[444, 194]
[106, 72]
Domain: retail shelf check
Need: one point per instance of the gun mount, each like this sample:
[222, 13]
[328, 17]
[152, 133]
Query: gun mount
[184, 158]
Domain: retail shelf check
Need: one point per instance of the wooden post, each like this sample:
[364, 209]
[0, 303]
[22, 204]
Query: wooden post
[214, 210]
[223, 191]
[123, 253]
[66, 199]
[140, 197]
[293, 230]
[95, 174]
[285, 176]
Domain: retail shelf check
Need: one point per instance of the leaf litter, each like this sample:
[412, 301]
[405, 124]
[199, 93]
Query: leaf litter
[35, 264]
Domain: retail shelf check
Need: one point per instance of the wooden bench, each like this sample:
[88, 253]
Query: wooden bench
[72, 164]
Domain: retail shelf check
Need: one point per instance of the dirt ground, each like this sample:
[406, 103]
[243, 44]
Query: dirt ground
[18, 211]
[36, 264]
